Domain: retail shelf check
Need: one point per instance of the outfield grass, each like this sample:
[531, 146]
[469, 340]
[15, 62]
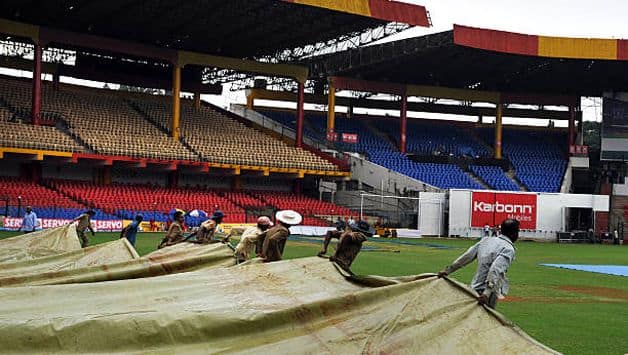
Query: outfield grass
[571, 311]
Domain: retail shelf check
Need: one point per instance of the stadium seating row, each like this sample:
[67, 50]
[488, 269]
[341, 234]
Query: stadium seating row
[538, 157]
[109, 123]
[219, 138]
[66, 199]
[494, 177]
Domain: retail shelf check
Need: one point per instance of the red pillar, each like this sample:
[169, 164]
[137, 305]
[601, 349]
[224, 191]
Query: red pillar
[404, 123]
[300, 102]
[570, 132]
[36, 103]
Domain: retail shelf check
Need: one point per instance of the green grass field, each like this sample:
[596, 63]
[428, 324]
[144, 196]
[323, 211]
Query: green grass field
[571, 311]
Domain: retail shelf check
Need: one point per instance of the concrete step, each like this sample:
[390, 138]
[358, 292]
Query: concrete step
[478, 179]
[512, 176]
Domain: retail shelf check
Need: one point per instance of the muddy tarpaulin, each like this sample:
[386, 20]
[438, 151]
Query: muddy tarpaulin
[115, 260]
[38, 244]
[293, 306]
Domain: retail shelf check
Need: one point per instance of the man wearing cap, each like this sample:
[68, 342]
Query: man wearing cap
[349, 243]
[209, 228]
[244, 249]
[494, 258]
[84, 223]
[130, 232]
[175, 231]
[29, 223]
[275, 238]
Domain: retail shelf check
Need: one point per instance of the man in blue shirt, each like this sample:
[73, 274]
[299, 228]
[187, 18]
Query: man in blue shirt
[130, 232]
[29, 223]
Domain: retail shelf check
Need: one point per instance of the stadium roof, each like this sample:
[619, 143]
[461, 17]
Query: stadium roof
[488, 60]
[233, 28]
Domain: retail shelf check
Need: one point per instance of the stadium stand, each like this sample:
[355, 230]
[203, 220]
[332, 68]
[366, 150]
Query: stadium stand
[145, 134]
[221, 139]
[20, 135]
[537, 156]
[101, 120]
[14, 133]
[445, 176]
[305, 205]
[494, 177]
[155, 202]
[46, 202]
[429, 136]
[381, 151]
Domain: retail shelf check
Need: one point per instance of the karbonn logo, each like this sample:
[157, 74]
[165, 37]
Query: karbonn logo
[501, 207]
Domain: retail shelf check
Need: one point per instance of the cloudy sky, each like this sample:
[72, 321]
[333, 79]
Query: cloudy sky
[570, 18]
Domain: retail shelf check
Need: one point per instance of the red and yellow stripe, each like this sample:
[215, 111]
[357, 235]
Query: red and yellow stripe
[542, 46]
[386, 10]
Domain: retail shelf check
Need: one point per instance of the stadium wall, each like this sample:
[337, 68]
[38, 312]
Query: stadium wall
[204, 179]
[10, 168]
[138, 176]
[546, 212]
[66, 172]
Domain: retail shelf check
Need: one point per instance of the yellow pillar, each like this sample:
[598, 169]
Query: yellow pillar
[250, 99]
[331, 108]
[498, 132]
[176, 100]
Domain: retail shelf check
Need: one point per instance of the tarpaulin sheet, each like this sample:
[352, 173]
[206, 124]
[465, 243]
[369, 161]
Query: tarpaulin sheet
[39, 244]
[114, 261]
[293, 306]
[617, 270]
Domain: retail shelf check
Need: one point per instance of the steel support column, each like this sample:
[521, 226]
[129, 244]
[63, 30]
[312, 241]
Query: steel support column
[300, 103]
[571, 130]
[36, 97]
[404, 123]
[176, 101]
[197, 100]
[331, 108]
[498, 131]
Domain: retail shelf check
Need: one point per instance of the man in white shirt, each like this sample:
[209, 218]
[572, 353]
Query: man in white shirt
[244, 249]
[494, 258]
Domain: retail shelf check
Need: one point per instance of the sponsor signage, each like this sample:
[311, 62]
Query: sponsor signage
[579, 150]
[350, 138]
[11, 223]
[332, 136]
[493, 207]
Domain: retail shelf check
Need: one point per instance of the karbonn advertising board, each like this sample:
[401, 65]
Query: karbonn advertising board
[493, 207]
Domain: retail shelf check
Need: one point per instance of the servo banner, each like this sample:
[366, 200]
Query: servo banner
[493, 207]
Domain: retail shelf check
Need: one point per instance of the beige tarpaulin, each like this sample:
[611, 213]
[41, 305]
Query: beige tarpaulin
[113, 261]
[38, 244]
[293, 306]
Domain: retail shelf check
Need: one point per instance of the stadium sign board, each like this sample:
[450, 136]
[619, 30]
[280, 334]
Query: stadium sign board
[493, 207]
[350, 138]
[11, 223]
